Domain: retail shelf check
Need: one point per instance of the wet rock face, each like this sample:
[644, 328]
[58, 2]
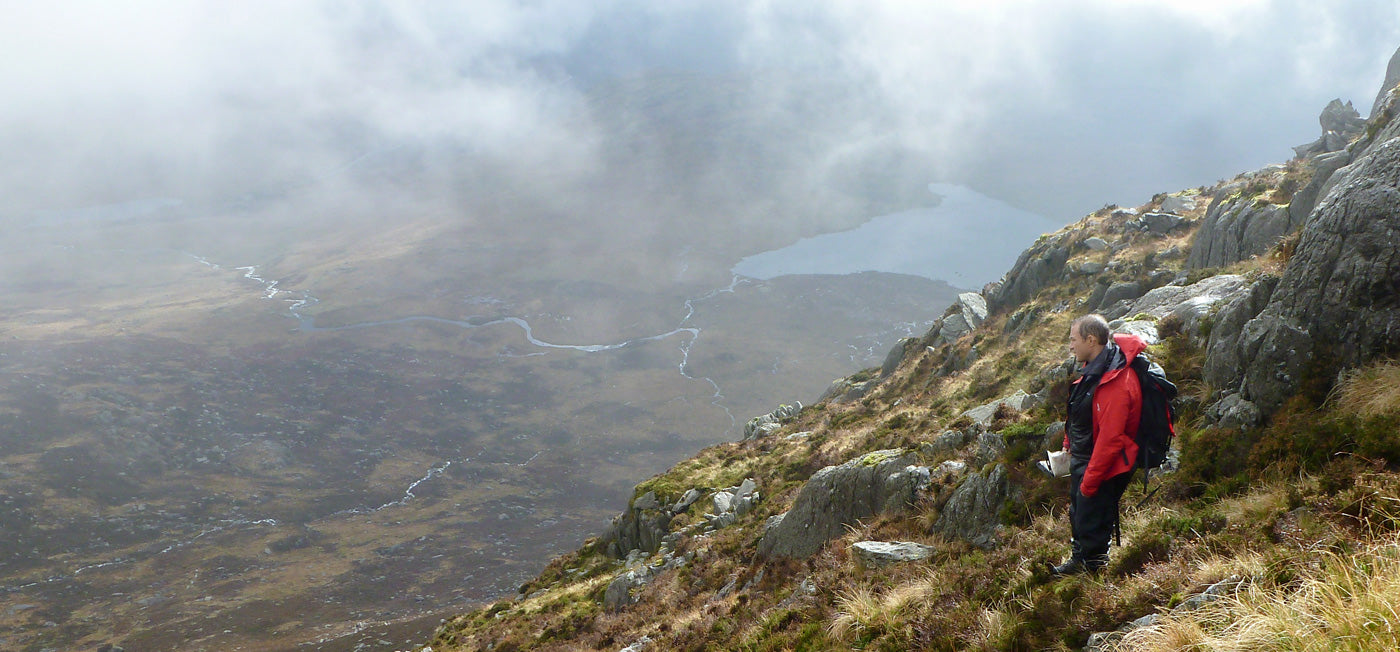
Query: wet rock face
[838, 496]
[1338, 302]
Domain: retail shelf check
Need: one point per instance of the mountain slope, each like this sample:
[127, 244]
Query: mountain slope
[1284, 499]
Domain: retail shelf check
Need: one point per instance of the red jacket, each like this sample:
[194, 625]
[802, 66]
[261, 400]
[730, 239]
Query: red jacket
[1117, 410]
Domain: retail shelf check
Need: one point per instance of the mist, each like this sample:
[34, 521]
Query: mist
[1056, 110]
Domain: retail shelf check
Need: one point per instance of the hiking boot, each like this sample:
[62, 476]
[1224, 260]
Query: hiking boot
[1077, 566]
[1074, 566]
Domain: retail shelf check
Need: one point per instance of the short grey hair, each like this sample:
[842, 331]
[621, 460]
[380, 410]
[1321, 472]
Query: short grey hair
[1092, 326]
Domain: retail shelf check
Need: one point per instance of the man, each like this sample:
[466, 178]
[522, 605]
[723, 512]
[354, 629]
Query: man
[1105, 404]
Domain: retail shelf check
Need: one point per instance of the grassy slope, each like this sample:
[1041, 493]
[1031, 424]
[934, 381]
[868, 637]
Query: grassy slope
[1310, 501]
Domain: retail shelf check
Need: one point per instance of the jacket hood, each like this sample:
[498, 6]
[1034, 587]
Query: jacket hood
[1130, 345]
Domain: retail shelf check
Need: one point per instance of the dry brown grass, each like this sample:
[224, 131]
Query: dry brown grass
[1372, 391]
[1345, 602]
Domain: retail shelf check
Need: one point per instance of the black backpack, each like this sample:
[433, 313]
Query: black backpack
[1156, 429]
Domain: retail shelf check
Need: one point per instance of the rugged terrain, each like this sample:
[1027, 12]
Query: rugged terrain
[902, 510]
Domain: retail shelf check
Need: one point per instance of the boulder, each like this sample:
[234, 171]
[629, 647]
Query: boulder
[966, 314]
[1020, 401]
[973, 512]
[1097, 244]
[1234, 412]
[1178, 204]
[839, 496]
[876, 554]
[945, 442]
[845, 390]
[1120, 292]
[1161, 223]
[1236, 229]
[765, 425]
[1338, 301]
[1144, 329]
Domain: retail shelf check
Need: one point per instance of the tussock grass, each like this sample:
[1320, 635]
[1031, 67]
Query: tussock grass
[1344, 602]
[860, 610]
[1371, 392]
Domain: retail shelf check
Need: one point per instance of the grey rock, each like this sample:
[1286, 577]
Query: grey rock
[1189, 303]
[1235, 229]
[897, 355]
[838, 496]
[637, 528]
[1234, 412]
[1037, 266]
[1097, 244]
[1341, 118]
[973, 512]
[640, 644]
[1020, 401]
[948, 469]
[1225, 360]
[1120, 292]
[966, 314]
[1089, 268]
[877, 554]
[746, 488]
[1144, 329]
[1178, 204]
[1162, 223]
[723, 501]
[844, 390]
[945, 442]
[762, 426]
[619, 593]
[647, 501]
[1339, 299]
[686, 500]
[1305, 198]
[990, 446]
[1392, 78]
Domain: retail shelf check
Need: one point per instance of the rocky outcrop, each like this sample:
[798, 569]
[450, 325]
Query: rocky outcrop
[1392, 79]
[762, 426]
[1340, 124]
[838, 496]
[1038, 266]
[973, 512]
[640, 527]
[1338, 303]
[1237, 228]
[897, 354]
[1178, 204]
[1019, 401]
[1225, 359]
[876, 554]
[966, 314]
[1189, 303]
[1320, 171]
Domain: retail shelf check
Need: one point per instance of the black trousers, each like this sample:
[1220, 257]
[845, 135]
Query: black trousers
[1091, 519]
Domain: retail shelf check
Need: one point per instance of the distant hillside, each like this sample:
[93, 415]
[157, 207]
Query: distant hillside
[902, 510]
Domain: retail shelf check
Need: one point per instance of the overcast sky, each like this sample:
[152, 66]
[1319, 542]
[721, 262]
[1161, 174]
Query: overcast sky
[1054, 107]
